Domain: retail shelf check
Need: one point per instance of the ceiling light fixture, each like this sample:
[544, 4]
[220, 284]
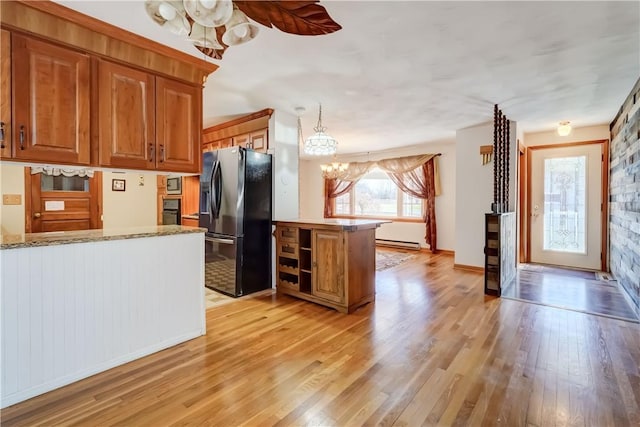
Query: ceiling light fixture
[334, 169]
[564, 128]
[320, 143]
[214, 25]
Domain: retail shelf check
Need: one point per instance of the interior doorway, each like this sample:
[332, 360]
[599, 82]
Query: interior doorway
[567, 204]
[62, 203]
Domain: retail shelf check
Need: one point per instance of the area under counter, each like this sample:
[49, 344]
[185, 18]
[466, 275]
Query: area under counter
[78, 303]
[327, 261]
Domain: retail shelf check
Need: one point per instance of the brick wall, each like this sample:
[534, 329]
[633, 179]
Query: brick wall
[624, 214]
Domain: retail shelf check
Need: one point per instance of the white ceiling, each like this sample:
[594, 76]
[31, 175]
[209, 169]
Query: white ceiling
[404, 73]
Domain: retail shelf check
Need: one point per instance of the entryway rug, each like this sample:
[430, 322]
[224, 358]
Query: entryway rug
[390, 259]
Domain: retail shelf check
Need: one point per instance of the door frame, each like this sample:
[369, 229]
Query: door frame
[525, 230]
[95, 188]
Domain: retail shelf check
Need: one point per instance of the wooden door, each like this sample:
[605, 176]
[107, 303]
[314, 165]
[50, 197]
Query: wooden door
[50, 102]
[59, 203]
[328, 265]
[5, 94]
[190, 195]
[178, 126]
[258, 140]
[126, 110]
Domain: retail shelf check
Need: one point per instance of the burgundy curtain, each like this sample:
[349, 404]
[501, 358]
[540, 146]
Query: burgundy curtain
[420, 183]
[334, 188]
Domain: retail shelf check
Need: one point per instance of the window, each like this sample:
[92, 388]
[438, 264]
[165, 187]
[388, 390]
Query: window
[376, 195]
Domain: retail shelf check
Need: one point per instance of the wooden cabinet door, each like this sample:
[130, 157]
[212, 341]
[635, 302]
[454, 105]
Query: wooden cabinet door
[258, 141]
[51, 102]
[328, 265]
[242, 140]
[5, 94]
[126, 109]
[178, 126]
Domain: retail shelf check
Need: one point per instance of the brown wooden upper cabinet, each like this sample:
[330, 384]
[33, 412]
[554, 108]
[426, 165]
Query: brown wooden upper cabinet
[146, 121]
[5, 94]
[255, 140]
[51, 102]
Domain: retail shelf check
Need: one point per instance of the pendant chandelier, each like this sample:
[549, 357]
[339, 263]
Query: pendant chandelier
[334, 169]
[320, 143]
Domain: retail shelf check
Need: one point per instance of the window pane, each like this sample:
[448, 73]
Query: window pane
[411, 206]
[565, 204]
[376, 194]
[343, 204]
[64, 183]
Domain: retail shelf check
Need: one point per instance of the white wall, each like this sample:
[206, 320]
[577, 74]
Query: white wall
[136, 206]
[474, 190]
[283, 145]
[588, 133]
[312, 193]
[12, 182]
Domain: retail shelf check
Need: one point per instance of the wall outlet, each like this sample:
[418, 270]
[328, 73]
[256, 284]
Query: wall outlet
[11, 199]
[141, 180]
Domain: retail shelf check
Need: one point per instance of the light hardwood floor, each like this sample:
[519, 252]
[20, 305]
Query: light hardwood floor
[432, 350]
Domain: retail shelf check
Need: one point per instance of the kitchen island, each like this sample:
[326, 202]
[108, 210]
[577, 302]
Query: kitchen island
[327, 261]
[80, 302]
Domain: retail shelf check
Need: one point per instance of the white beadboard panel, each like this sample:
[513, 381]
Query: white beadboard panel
[70, 311]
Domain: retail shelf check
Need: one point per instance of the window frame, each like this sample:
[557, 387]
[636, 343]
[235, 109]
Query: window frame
[399, 208]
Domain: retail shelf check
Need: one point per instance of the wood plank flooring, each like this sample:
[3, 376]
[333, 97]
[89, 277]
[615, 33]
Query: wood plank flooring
[432, 350]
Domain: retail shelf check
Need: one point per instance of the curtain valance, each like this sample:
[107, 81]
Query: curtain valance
[54, 171]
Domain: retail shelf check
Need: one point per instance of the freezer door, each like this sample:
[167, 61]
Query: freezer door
[221, 264]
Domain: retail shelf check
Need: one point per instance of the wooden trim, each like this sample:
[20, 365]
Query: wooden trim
[41, 19]
[244, 125]
[27, 199]
[258, 114]
[522, 201]
[472, 268]
[604, 229]
[394, 219]
[440, 251]
[604, 214]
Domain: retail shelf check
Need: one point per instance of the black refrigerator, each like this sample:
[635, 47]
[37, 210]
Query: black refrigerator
[235, 208]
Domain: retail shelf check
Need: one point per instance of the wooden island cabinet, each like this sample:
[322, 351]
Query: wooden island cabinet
[329, 262]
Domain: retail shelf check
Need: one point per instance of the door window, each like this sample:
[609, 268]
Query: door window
[64, 183]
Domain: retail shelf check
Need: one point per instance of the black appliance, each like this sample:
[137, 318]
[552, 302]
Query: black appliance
[235, 208]
[170, 211]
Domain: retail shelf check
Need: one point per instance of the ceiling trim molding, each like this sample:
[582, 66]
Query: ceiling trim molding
[44, 18]
[249, 123]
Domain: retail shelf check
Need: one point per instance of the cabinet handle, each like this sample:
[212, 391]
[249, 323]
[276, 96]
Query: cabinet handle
[22, 137]
[151, 152]
[1, 134]
[161, 153]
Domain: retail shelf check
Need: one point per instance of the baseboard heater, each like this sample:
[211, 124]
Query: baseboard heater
[398, 244]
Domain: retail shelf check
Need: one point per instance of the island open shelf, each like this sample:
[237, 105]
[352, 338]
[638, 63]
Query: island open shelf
[329, 262]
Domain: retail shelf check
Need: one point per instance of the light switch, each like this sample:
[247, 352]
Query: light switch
[11, 199]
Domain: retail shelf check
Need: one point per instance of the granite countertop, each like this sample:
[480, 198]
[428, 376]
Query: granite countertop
[29, 240]
[343, 224]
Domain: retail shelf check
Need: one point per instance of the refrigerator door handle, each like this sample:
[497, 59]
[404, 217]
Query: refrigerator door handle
[219, 240]
[212, 193]
[217, 185]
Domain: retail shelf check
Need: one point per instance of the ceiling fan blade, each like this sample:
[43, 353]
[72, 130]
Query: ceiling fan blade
[306, 18]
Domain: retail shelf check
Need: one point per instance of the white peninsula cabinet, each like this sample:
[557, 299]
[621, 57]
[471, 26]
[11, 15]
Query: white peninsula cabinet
[81, 302]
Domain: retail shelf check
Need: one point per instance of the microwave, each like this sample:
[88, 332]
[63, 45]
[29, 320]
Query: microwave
[174, 185]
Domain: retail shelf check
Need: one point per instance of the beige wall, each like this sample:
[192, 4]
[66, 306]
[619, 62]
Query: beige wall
[312, 197]
[136, 206]
[12, 182]
[588, 133]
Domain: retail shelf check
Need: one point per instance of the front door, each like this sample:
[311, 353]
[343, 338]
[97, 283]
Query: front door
[61, 203]
[566, 206]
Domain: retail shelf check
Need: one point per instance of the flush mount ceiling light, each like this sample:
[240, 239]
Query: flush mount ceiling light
[214, 25]
[564, 128]
[320, 143]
